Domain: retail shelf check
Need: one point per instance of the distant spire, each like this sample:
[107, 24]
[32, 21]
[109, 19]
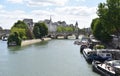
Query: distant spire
[50, 18]
[76, 24]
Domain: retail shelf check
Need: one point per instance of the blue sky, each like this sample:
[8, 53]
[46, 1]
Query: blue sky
[82, 11]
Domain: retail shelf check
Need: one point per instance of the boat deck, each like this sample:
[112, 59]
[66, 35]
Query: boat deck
[107, 68]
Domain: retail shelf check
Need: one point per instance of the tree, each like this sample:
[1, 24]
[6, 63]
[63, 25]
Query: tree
[109, 14]
[36, 31]
[22, 29]
[65, 29]
[19, 31]
[59, 29]
[108, 22]
[40, 30]
[69, 29]
[43, 29]
[20, 24]
[14, 37]
[93, 23]
[99, 31]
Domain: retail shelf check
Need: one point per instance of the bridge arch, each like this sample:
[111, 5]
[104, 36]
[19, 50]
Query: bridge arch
[55, 35]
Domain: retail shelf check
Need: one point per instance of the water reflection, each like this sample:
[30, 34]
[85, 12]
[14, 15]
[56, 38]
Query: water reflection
[41, 43]
[14, 49]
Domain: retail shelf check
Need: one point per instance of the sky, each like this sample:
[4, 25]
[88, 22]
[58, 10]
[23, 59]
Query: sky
[82, 11]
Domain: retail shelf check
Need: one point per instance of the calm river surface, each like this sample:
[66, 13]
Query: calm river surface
[52, 58]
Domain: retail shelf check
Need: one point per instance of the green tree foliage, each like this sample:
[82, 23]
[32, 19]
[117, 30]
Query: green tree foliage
[59, 29]
[14, 37]
[19, 31]
[108, 23]
[43, 29]
[22, 29]
[109, 14]
[40, 30]
[99, 31]
[20, 24]
[69, 29]
[93, 23]
[99, 47]
[65, 29]
[36, 31]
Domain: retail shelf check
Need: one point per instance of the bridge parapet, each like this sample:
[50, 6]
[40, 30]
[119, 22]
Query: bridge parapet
[4, 33]
[65, 34]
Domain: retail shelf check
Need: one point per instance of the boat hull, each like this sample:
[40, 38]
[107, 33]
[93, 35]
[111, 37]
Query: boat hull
[100, 70]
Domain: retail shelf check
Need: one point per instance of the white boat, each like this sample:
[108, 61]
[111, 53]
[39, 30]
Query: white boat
[91, 55]
[4, 38]
[108, 68]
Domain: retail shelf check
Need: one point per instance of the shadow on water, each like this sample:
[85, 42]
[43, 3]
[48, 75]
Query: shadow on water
[41, 43]
[15, 49]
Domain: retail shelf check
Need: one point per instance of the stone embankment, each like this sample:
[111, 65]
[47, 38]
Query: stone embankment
[33, 41]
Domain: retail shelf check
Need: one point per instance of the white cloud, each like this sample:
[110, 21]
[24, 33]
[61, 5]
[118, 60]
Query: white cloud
[76, 10]
[15, 1]
[40, 2]
[46, 2]
[80, 0]
[1, 6]
[82, 14]
[8, 18]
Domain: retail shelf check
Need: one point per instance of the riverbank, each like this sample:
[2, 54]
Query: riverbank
[33, 41]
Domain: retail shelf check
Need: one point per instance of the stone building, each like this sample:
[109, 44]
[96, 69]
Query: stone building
[30, 23]
[1, 28]
[52, 26]
[76, 27]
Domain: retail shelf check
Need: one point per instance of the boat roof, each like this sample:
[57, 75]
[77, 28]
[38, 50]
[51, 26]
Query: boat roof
[117, 67]
[88, 50]
[114, 63]
[94, 40]
[108, 50]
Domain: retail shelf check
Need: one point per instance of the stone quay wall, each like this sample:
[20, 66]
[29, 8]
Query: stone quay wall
[33, 41]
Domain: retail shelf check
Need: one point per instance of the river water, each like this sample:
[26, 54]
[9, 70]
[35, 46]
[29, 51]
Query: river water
[52, 58]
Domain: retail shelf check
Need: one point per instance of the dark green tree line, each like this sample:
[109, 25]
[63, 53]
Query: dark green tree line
[65, 29]
[108, 21]
[40, 30]
[19, 32]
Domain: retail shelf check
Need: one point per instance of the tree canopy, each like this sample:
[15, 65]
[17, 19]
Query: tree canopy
[108, 21]
[109, 13]
[23, 30]
[40, 30]
[19, 31]
[65, 29]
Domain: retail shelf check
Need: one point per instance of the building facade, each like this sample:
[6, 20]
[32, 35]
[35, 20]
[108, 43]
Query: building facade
[30, 23]
[52, 26]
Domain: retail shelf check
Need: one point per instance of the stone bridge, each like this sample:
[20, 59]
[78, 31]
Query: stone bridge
[55, 35]
[4, 33]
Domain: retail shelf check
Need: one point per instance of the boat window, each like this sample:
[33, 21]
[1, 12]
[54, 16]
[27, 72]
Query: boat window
[107, 54]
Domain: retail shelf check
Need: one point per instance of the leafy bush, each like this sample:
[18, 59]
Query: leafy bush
[99, 47]
[40, 30]
[19, 32]
[14, 38]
